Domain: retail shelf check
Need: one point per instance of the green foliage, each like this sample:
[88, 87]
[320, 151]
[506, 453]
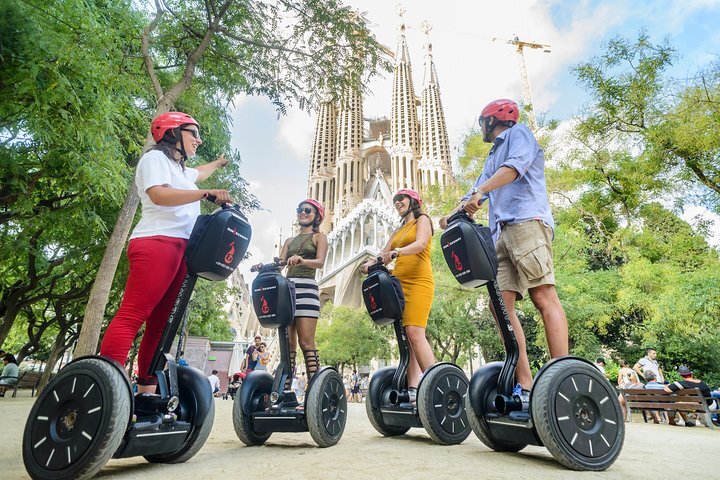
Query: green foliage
[78, 90]
[349, 337]
[207, 314]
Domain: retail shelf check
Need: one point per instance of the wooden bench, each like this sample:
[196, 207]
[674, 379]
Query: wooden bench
[688, 400]
[27, 379]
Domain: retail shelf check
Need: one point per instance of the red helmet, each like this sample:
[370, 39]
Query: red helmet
[164, 122]
[503, 109]
[410, 193]
[318, 207]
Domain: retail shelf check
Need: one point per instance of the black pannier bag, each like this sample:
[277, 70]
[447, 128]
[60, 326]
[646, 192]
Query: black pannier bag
[273, 298]
[383, 296]
[217, 244]
[469, 251]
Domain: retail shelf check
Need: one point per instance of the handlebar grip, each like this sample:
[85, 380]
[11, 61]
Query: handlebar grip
[210, 198]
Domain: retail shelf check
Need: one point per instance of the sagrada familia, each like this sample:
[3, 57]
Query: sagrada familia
[357, 163]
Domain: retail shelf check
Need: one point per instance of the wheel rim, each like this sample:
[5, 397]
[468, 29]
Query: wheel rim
[447, 403]
[585, 415]
[67, 422]
[333, 407]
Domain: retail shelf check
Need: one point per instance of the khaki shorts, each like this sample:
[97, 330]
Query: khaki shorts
[525, 254]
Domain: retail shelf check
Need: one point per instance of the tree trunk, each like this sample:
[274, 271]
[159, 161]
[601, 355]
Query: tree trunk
[7, 322]
[57, 350]
[95, 310]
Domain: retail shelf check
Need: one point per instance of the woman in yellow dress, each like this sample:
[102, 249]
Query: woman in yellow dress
[410, 244]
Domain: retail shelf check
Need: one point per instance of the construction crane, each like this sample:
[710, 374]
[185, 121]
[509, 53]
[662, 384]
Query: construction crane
[527, 97]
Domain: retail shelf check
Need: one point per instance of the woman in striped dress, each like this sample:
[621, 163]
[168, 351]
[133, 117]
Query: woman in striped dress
[304, 254]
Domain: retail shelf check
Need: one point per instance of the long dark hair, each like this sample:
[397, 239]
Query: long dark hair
[418, 212]
[10, 358]
[168, 145]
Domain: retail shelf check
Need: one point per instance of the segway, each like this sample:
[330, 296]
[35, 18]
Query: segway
[87, 414]
[572, 409]
[262, 405]
[440, 406]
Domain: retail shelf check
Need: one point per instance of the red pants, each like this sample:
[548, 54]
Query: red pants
[157, 269]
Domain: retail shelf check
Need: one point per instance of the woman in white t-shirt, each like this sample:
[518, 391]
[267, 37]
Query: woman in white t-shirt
[170, 205]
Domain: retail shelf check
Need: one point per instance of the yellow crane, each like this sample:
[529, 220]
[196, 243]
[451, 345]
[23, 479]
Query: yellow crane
[527, 97]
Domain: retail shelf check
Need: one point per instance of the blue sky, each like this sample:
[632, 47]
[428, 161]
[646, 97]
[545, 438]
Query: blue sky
[472, 70]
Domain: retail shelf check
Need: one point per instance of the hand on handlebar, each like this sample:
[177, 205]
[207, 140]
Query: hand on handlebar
[219, 197]
[473, 204]
[295, 261]
[367, 265]
[387, 257]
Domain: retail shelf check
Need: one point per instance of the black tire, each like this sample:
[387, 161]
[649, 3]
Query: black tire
[242, 414]
[200, 430]
[383, 380]
[326, 408]
[77, 422]
[577, 415]
[477, 408]
[441, 404]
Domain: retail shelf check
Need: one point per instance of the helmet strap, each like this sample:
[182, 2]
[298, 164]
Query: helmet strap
[182, 151]
[487, 128]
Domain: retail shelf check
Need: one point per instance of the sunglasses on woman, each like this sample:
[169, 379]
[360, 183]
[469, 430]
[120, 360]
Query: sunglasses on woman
[399, 198]
[192, 131]
[306, 210]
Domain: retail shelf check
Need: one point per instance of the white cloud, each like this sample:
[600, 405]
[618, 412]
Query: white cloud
[296, 134]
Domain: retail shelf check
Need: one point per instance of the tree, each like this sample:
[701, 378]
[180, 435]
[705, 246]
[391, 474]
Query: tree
[349, 337]
[207, 316]
[291, 51]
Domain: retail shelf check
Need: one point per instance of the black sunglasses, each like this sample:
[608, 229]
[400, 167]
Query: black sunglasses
[307, 210]
[193, 132]
[399, 198]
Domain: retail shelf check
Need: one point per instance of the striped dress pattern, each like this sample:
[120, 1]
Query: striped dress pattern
[307, 297]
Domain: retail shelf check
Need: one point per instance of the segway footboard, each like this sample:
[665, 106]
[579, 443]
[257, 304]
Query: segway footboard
[502, 433]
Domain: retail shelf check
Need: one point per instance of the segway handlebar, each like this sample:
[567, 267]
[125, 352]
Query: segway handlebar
[276, 264]
[211, 198]
[379, 264]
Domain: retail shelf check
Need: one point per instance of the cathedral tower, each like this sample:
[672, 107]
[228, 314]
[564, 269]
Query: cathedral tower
[348, 166]
[321, 178]
[403, 121]
[435, 162]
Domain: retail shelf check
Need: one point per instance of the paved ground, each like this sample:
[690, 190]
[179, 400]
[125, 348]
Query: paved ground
[651, 451]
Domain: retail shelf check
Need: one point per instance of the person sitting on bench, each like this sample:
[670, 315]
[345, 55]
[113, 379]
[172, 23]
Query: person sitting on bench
[10, 373]
[688, 382]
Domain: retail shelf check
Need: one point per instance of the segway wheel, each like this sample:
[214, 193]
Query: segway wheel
[250, 397]
[383, 380]
[190, 397]
[477, 408]
[577, 415]
[441, 404]
[78, 421]
[326, 408]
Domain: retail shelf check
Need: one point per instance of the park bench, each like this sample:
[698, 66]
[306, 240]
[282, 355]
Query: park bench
[27, 379]
[688, 400]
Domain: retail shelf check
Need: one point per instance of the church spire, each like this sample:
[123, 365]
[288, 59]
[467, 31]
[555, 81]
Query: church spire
[348, 169]
[404, 121]
[321, 183]
[435, 162]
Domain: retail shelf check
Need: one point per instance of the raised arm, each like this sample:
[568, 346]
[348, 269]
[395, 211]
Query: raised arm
[204, 171]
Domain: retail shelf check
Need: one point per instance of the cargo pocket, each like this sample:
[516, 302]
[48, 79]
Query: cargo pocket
[534, 260]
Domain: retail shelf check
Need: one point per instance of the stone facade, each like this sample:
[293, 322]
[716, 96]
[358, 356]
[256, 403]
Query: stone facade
[357, 163]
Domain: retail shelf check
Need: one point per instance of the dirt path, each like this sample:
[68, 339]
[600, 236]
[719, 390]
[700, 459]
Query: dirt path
[650, 450]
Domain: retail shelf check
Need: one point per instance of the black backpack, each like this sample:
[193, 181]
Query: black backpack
[469, 251]
[383, 295]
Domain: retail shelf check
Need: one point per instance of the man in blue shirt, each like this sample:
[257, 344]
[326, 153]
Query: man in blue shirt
[513, 182]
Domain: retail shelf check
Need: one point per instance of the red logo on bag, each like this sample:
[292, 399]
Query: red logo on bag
[373, 305]
[231, 253]
[456, 259]
[264, 308]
